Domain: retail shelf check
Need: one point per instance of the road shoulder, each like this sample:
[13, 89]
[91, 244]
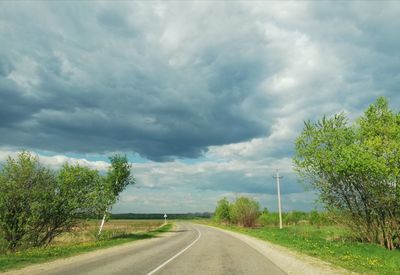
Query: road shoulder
[289, 261]
[39, 268]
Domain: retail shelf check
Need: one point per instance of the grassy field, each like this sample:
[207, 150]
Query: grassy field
[330, 243]
[83, 239]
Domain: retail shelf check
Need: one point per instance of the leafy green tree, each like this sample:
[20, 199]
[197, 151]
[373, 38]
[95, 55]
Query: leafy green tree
[245, 211]
[356, 169]
[117, 179]
[75, 195]
[222, 211]
[81, 193]
[37, 204]
[24, 185]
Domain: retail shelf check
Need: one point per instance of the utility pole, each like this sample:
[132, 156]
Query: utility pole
[277, 177]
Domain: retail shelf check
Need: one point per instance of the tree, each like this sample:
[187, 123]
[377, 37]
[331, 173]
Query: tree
[75, 195]
[38, 204]
[356, 169]
[117, 179]
[24, 185]
[245, 211]
[222, 211]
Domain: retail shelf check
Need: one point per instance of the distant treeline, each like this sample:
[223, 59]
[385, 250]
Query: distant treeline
[156, 216]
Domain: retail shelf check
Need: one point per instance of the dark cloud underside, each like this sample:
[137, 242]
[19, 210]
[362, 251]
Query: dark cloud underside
[96, 78]
[171, 79]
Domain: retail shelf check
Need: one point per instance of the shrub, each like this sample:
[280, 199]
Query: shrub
[269, 219]
[294, 217]
[355, 169]
[245, 211]
[222, 211]
[37, 204]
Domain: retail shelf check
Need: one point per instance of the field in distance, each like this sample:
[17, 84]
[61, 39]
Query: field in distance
[88, 230]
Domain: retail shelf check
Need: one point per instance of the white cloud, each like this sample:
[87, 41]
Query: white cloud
[56, 161]
[227, 85]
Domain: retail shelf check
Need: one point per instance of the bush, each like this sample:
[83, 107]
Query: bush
[222, 211]
[269, 219]
[319, 218]
[355, 169]
[294, 218]
[245, 212]
[37, 204]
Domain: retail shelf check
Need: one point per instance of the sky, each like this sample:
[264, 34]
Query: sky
[205, 98]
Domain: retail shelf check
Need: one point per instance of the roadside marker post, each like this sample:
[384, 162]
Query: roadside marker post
[165, 218]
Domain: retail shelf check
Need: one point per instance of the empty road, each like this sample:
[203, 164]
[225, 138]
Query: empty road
[189, 249]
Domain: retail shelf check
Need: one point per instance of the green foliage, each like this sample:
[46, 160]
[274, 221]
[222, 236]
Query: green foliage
[117, 179]
[245, 211]
[294, 218]
[82, 191]
[78, 192]
[38, 204]
[333, 244]
[222, 211]
[356, 170]
[119, 176]
[25, 193]
[319, 218]
[269, 219]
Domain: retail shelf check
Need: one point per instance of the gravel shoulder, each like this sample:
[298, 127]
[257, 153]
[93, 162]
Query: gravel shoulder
[289, 261]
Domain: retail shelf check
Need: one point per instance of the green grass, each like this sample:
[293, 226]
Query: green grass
[329, 243]
[39, 255]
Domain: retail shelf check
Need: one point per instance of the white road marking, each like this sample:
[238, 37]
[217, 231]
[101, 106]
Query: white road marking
[176, 255]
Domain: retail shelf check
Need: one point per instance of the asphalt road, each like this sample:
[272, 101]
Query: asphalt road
[189, 249]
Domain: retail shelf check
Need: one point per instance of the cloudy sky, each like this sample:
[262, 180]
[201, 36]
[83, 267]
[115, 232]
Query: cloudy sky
[206, 98]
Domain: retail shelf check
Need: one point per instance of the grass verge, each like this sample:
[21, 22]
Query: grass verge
[329, 243]
[39, 255]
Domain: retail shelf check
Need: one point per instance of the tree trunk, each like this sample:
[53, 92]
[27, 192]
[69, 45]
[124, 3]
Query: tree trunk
[102, 221]
[105, 213]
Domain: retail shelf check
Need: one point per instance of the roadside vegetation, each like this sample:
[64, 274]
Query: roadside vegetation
[37, 204]
[331, 243]
[46, 214]
[355, 169]
[313, 233]
[83, 238]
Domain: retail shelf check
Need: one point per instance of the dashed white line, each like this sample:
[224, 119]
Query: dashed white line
[176, 255]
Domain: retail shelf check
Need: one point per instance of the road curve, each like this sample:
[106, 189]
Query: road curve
[189, 249]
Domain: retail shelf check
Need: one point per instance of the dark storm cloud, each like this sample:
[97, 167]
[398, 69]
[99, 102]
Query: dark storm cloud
[171, 79]
[14, 107]
[98, 79]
